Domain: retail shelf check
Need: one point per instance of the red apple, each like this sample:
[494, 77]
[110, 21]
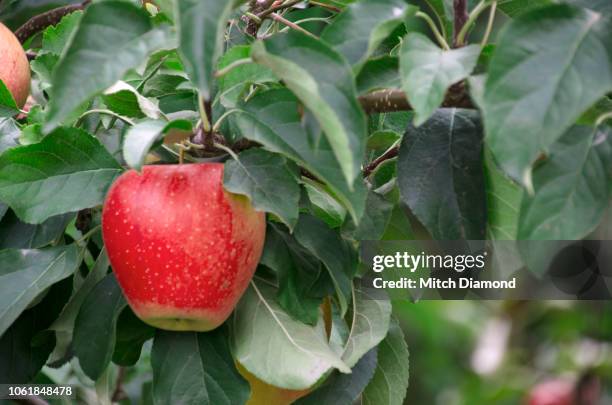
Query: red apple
[14, 66]
[183, 249]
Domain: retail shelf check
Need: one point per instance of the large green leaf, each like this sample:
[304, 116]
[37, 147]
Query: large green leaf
[131, 335]
[95, 326]
[369, 325]
[390, 381]
[572, 191]
[374, 221]
[264, 177]
[202, 26]
[196, 368]
[440, 175]
[8, 106]
[337, 255]
[25, 274]
[324, 205]
[68, 171]
[25, 346]
[18, 235]
[112, 37]
[297, 272]
[503, 202]
[515, 8]
[324, 83]
[550, 65]
[428, 71]
[9, 133]
[344, 389]
[272, 119]
[63, 326]
[262, 331]
[378, 74]
[56, 37]
[363, 25]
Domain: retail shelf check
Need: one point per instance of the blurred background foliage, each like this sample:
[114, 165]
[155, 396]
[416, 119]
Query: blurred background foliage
[461, 353]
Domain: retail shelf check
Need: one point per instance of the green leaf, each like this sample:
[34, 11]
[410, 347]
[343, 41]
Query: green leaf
[374, 221]
[31, 134]
[324, 205]
[261, 331]
[369, 326]
[440, 175]
[112, 37]
[9, 133]
[390, 381]
[25, 346]
[324, 82]
[443, 11]
[25, 274]
[18, 235]
[602, 6]
[56, 37]
[95, 326]
[66, 172]
[63, 326]
[140, 138]
[363, 25]
[272, 119]
[8, 106]
[399, 227]
[264, 177]
[232, 83]
[202, 26]
[571, 188]
[428, 71]
[515, 8]
[196, 368]
[132, 333]
[138, 141]
[503, 202]
[337, 255]
[43, 66]
[344, 389]
[378, 74]
[125, 100]
[297, 272]
[550, 66]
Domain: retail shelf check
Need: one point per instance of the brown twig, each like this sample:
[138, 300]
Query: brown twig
[292, 25]
[390, 154]
[263, 10]
[390, 100]
[278, 7]
[255, 7]
[326, 6]
[38, 23]
[460, 8]
[119, 394]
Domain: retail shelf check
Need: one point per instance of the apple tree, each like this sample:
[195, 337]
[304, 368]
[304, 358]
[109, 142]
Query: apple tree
[341, 120]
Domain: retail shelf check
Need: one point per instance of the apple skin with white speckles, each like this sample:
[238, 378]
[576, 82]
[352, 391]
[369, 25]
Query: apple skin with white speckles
[182, 248]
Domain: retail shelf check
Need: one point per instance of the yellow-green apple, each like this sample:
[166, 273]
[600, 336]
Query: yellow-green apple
[182, 248]
[14, 66]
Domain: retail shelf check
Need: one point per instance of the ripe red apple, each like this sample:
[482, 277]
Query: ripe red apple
[14, 66]
[183, 249]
